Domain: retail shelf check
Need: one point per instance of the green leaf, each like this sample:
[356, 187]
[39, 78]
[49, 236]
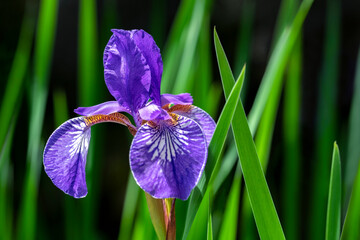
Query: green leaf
[12, 93]
[129, 208]
[264, 211]
[333, 217]
[229, 221]
[209, 235]
[353, 150]
[277, 64]
[351, 228]
[214, 151]
[44, 43]
[326, 119]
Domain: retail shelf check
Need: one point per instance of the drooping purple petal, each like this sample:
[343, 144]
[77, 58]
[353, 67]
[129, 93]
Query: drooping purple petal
[205, 121]
[103, 108]
[167, 160]
[181, 99]
[127, 73]
[65, 156]
[151, 52]
[152, 112]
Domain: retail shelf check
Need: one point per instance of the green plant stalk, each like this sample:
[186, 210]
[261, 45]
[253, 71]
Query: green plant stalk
[6, 173]
[326, 121]
[333, 217]
[42, 59]
[71, 211]
[175, 44]
[192, 38]
[16, 77]
[89, 88]
[129, 208]
[292, 145]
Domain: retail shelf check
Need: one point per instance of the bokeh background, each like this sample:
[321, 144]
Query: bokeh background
[51, 57]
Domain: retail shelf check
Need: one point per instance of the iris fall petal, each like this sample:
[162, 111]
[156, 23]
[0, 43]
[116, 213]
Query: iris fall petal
[206, 123]
[65, 156]
[167, 160]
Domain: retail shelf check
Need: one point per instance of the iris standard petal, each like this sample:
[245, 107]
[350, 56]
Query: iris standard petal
[182, 99]
[152, 112]
[127, 73]
[103, 108]
[151, 52]
[168, 159]
[205, 121]
[65, 156]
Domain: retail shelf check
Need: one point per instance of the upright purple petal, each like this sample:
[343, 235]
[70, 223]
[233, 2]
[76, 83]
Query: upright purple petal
[65, 156]
[152, 112]
[167, 160]
[181, 99]
[205, 121]
[151, 52]
[103, 108]
[127, 73]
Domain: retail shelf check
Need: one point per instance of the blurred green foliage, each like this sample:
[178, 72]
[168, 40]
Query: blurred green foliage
[292, 187]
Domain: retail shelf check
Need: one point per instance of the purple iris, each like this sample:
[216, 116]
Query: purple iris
[171, 136]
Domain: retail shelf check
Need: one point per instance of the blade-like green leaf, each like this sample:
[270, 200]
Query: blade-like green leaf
[199, 227]
[351, 230]
[229, 223]
[326, 119]
[353, 150]
[333, 218]
[214, 151]
[277, 64]
[90, 88]
[209, 235]
[45, 35]
[264, 211]
[17, 74]
[292, 145]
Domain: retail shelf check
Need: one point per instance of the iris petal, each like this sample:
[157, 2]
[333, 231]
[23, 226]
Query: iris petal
[168, 159]
[103, 108]
[127, 73]
[182, 99]
[65, 156]
[151, 52]
[205, 121]
[152, 112]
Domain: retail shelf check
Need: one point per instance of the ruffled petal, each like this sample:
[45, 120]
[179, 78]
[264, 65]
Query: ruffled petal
[181, 99]
[205, 121]
[153, 112]
[127, 73]
[168, 159]
[151, 52]
[103, 108]
[65, 156]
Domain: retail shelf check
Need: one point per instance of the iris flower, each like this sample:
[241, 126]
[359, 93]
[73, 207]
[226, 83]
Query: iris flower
[171, 136]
